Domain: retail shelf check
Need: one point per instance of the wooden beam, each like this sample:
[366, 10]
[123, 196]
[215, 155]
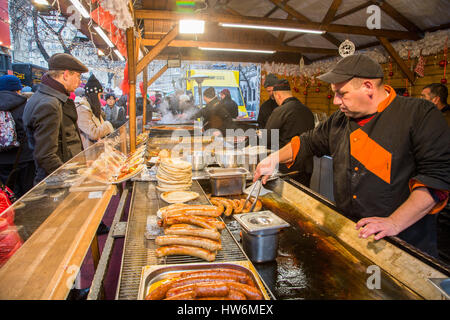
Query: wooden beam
[335, 28]
[353, 10]
[132, 83]
[301, 17]
[157, 75]
[144, 97]
[403, 67]
[162, 43]
[233, 45]
[397, 16]
[331, 12]
[282, 34]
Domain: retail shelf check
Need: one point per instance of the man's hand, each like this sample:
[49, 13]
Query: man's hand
[381, 227]
[265, 168]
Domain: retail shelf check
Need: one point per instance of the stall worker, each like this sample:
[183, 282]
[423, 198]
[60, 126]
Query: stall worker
[291, 118]
[266, 109]
[391, 155]
[438, 94]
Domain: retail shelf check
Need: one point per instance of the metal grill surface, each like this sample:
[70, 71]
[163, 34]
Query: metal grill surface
[139, 252]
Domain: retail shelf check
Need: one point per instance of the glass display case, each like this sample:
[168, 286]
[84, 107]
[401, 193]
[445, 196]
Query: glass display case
[45, 235]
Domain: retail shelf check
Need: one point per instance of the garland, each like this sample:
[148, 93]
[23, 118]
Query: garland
[432, 43]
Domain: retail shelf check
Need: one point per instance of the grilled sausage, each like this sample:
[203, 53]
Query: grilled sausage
[188, 295]
[238, 205]
[199, 210]
[250, 292]
[189, 220]
[188, 230]
[237, 275]
[218, 204]
[207, 244]
[202, 289]
[161, 291]
[229, 205]
[236, 295]
[185, 250]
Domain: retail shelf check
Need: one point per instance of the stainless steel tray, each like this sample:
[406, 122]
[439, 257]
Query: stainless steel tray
[155, 273]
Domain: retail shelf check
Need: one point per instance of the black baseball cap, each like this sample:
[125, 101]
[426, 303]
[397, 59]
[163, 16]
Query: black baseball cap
[354, 66]
[282, 85]
[271, 79]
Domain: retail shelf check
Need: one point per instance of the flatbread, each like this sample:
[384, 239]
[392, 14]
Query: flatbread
[179, 196]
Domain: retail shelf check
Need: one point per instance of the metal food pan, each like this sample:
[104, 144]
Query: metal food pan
[155, 273]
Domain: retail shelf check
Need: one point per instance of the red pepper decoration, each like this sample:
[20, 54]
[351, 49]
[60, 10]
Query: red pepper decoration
[329, 96]
[317, 90]
[443, 63]
[444, 81]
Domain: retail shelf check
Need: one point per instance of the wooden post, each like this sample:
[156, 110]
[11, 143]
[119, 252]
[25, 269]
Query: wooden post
[132, 82]
[402, 65]
[144, 98]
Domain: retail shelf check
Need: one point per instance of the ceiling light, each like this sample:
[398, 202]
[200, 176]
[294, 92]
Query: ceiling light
[43, 2]
[104, 36]
[252, 26]
[81, 9]
[119, 55]
[238, 50]
[192, 26]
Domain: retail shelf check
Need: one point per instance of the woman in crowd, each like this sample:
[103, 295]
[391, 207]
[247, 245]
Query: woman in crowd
[90, 121]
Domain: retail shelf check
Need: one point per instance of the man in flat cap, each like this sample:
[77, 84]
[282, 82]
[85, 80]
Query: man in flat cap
[50, 116]
[291, 118]
[390, 155]
[266, 109]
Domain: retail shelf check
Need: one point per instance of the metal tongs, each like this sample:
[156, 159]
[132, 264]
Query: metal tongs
[259, 184]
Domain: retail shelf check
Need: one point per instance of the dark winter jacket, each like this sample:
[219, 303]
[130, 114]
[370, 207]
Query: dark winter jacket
[228, 104]
[215, 117]
[15, 104]
[48, 113]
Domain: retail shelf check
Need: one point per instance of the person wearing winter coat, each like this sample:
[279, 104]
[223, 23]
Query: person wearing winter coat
[90, 121]
[114, 113]
[16, 164]
[50, 117]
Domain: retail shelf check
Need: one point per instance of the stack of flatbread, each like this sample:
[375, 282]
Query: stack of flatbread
[174, 174]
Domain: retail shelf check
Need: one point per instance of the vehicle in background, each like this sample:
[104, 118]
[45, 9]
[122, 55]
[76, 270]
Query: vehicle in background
[219, 80]
[29, 74]
[5, 64]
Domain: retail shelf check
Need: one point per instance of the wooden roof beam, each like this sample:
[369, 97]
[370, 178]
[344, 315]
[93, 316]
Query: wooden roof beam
[331, 12]
[301, 17]
[353, 10]
[403, 67]
[398, 17]
[240, 45]
[158, 47]
[335, 28]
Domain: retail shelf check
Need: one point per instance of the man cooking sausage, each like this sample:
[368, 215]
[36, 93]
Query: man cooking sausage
[391, 155]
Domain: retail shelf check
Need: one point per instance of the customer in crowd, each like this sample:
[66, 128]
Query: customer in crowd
[89, 109]
[228, 103]
[50, 116]
[16, 162]
[438, 94]
[114, 113]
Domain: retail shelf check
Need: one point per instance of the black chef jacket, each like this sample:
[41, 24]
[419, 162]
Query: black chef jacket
[292, 118]
[215, 116]
[373, 166]
[265, 111]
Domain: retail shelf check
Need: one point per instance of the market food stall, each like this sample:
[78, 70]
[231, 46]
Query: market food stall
[190, 232]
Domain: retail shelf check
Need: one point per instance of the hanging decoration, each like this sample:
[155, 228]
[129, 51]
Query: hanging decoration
[301, 64]
[119, 9]
[444, 79]
[420, 67]
[347, 48]
[431, 44]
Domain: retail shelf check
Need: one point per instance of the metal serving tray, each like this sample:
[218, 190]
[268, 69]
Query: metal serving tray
[227, 181]
[155, 273]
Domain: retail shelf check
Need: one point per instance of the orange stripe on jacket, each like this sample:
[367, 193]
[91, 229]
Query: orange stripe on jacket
[295, 145]
[374, 157]
[413, 184]
[392, 94]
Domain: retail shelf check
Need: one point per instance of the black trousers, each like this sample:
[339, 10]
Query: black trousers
[22, 179]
